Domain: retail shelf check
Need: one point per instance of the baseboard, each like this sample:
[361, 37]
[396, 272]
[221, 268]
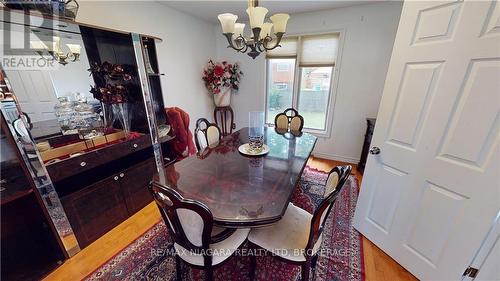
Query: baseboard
[350, 160]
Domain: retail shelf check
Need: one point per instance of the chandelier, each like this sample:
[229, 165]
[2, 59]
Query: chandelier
[55, 52]
[261, 39]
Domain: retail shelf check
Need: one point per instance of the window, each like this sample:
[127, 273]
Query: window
[281, 86]
[313, 58]
[283, 67]
[279, 98]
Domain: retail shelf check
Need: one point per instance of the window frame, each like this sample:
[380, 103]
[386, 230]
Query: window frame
[329, 122]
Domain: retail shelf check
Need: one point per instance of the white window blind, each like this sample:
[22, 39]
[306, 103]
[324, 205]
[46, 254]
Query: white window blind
[288, 48]
[319, 50]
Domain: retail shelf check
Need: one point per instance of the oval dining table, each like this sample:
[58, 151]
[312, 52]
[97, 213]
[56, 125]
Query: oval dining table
[240, 190]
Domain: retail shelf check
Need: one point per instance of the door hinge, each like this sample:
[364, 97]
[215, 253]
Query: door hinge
[471, 272]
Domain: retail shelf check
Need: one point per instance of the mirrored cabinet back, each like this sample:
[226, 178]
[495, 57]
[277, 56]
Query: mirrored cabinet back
[80, 136]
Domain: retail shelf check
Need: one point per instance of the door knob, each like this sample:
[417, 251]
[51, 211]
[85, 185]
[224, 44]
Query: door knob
[375, 150]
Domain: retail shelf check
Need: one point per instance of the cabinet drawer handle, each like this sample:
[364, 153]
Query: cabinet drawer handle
[121, 175]
[115, 178]
[135, 145]
[83, 163]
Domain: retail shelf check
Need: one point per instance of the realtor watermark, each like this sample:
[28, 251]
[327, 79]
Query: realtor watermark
[28, 44]
[22, 62]
[246, 252]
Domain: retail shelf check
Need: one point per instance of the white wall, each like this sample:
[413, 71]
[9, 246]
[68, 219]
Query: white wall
[369, 35]
[187, 45]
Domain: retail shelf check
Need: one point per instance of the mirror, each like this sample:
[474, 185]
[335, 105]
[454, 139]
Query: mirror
[77, 86]
[54, 92]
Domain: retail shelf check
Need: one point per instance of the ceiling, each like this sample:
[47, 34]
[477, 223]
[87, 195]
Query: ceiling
[208, 9]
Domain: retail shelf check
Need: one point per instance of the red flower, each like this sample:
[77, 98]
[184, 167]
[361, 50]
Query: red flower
[218, 71]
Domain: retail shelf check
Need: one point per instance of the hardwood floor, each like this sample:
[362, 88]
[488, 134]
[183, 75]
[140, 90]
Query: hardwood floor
[378, 265]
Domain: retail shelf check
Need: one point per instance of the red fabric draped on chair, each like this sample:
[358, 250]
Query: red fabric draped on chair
[183, 144]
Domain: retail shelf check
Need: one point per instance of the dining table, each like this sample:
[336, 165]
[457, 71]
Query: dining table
[240, 190]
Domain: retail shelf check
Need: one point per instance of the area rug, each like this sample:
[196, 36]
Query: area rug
[149, 256]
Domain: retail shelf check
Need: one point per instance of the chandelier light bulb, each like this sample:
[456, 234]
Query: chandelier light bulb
[256, 16]
[280, 21]
[227, 22]
[238, 29]
[74, 48]
[38, 45]
[266, 30]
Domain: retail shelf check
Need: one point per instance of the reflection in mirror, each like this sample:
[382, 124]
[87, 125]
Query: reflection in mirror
[74, 103]
[56, 98]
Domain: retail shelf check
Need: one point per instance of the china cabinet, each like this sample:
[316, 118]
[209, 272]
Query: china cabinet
[85, 181]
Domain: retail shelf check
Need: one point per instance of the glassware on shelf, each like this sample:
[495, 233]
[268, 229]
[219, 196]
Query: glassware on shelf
[78, 117]
[65, 114]
[121, 110]
[108, 117]
[88, 122]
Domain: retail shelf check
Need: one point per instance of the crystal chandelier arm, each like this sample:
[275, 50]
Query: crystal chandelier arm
[268, 39]
[229, 37]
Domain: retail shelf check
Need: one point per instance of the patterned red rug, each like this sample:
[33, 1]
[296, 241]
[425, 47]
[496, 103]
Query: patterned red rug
[341, 256]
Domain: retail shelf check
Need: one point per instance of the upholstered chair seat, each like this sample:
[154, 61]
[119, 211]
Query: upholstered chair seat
[221, 250]
[288, 238]
[192, 225]
[298, 235]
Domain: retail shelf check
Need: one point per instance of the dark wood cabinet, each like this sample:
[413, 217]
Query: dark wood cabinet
[97, 208]
[370, 125]
[76, 165]
[135, 182]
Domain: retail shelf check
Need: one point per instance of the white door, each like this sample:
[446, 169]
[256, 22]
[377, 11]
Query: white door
[34, 92]
[430, 196]
[484, 266]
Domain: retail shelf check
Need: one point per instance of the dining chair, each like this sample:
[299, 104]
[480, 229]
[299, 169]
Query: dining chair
[297, 237]
[196, 240]
[206, 133]
[289, 119]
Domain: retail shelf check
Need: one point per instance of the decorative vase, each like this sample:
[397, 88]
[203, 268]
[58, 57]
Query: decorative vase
[121, 111]
[109, 117]
[223, 98]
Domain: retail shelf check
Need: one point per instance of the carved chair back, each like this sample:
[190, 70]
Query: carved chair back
[190, 222]
[331, 194]
[289, 119]
[206, 133]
